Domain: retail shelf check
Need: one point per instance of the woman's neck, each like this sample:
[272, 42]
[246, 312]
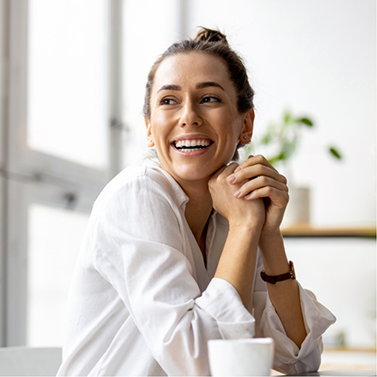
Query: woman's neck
[198, 211]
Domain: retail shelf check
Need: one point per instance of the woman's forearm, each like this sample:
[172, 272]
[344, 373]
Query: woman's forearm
[237, 261]
[284, 295]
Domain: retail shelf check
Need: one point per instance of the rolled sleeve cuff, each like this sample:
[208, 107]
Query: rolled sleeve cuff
[317, 319]
[222, 302]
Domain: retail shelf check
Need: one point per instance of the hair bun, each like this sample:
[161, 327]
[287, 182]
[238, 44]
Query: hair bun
[209, 35]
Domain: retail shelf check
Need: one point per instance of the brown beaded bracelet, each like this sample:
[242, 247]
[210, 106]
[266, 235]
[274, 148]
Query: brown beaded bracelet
[273, 279]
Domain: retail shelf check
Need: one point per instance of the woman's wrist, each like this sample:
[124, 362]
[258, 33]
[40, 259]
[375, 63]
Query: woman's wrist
[250, 228]
[273, 253]
[268, 234]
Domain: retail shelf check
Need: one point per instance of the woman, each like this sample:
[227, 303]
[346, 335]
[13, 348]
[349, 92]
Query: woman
[173, 254]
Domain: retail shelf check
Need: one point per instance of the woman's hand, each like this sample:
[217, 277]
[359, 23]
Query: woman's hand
[255, 179]
[250, 213]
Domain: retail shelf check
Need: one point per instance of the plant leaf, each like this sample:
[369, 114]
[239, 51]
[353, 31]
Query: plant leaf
[287, 117]
[308, 122]
[278, 157]
[335, 153]
[266, 139]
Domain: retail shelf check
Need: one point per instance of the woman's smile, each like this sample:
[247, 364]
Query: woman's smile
[192, 145]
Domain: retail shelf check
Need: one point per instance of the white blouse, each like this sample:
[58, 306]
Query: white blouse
[143, 302]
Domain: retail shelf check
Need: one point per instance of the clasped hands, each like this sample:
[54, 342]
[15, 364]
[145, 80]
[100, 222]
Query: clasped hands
[252, 193]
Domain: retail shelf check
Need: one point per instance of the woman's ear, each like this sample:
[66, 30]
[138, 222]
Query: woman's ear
[150, 141]
[247, 127]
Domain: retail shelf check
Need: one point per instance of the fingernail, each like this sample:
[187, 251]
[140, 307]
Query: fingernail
[238, 168]
[251, 156]
[231, 178]
[237, 193]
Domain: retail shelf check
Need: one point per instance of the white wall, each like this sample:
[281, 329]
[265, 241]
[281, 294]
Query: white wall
[315, 57]
[342, 274]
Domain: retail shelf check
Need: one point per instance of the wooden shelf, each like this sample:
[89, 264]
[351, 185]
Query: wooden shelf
[309, 231]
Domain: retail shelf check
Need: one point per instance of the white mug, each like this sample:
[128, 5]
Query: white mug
[241, 357]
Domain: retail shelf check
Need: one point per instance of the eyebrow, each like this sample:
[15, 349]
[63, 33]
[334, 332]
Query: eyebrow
[169, 87]
[207, 84]
[201, 85]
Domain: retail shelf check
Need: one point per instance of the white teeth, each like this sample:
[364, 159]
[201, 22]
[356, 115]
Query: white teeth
[190, 150]
[191, 143]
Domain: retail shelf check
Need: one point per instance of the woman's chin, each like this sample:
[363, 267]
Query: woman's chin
[191, 174]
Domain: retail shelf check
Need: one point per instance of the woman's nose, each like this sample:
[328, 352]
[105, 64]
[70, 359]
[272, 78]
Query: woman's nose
[190, 116]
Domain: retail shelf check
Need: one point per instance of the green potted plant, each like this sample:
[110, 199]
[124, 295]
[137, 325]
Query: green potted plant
[280, 141]
[284, 137]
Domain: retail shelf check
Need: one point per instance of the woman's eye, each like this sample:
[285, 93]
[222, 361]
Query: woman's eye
[168, 101]
[210, 99]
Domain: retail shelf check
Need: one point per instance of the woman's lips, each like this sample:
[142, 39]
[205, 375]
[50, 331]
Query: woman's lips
[191, 144]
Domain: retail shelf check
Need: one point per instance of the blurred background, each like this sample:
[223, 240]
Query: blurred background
[72, 83]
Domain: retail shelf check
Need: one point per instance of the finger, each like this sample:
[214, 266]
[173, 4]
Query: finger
[258, 160]
[219, 171]
[254, 160]
[224, 170]
[259, 183]
[254, 171]
[278, 198]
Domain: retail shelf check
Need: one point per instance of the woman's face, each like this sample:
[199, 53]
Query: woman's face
[194, 123]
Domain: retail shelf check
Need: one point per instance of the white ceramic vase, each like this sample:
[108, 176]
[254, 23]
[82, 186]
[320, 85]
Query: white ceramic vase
[298, 209]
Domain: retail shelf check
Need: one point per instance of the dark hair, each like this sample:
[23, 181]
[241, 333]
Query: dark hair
[214, 43]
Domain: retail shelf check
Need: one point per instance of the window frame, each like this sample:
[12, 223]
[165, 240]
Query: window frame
[4, 11]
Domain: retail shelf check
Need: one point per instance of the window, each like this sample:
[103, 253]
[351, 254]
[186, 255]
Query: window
[56, 158]
[55, 235]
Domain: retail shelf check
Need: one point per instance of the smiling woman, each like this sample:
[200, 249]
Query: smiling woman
[194, 91]
[190, 250]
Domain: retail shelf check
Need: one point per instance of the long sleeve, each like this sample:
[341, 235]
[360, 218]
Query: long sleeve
[288, 357]
[139, 248]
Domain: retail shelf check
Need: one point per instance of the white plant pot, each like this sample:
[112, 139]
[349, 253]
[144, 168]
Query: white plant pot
[298, 209]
